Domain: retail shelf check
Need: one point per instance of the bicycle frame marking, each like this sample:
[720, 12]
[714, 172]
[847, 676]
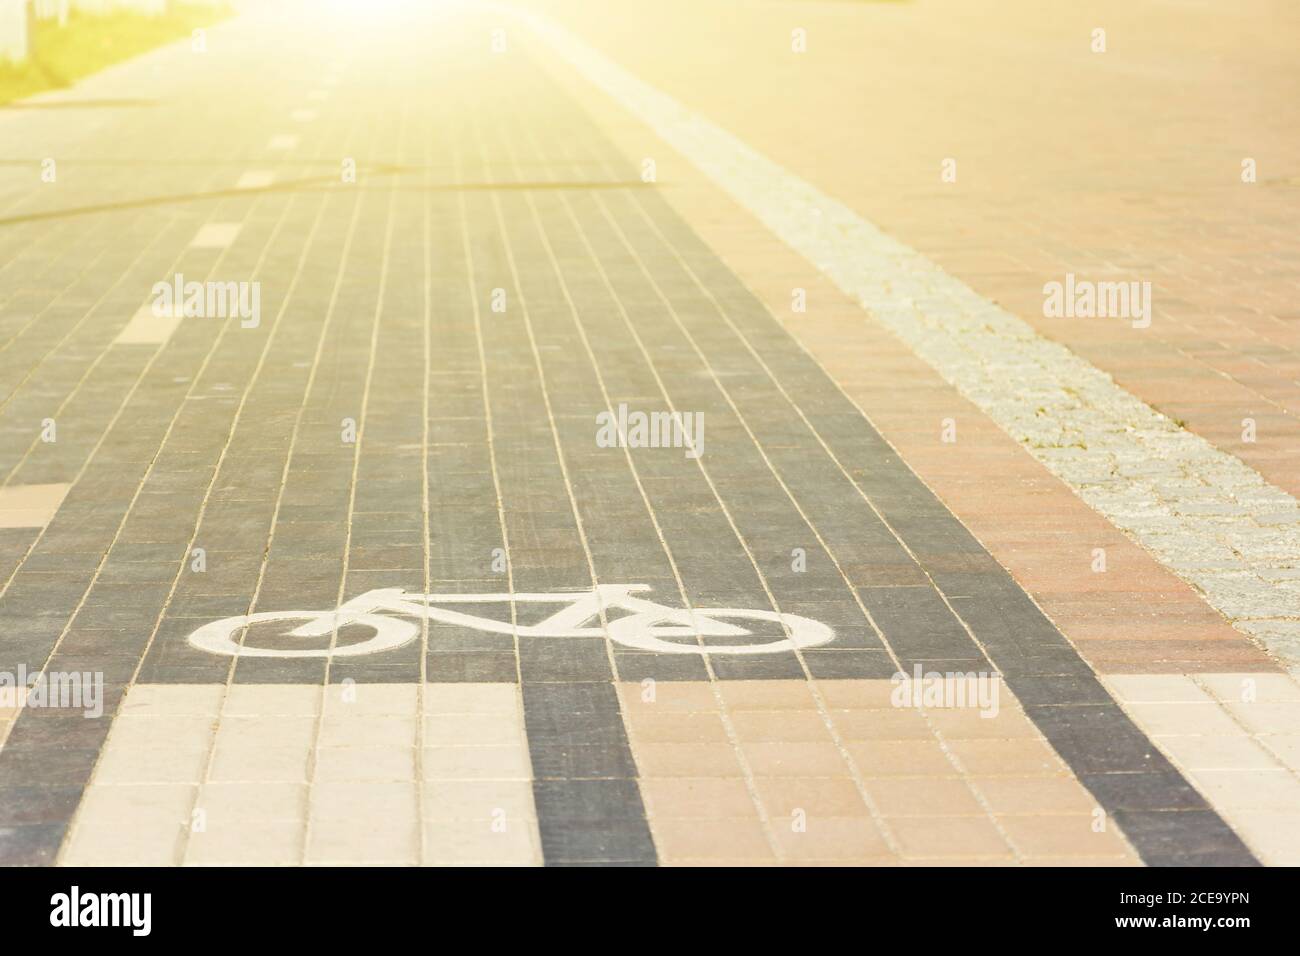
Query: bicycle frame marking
[646, 626]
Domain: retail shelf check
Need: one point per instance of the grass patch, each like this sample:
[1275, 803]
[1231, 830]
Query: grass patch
[63, 55]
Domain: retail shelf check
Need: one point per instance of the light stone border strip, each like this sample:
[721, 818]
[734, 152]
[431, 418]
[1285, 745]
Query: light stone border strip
[210, 774]
[1204, 514]
[1233, 736]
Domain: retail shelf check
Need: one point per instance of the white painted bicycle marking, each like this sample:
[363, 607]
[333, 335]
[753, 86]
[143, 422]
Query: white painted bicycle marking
[645, 626]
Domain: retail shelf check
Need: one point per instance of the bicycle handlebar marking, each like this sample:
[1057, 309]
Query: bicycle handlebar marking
[646, 626]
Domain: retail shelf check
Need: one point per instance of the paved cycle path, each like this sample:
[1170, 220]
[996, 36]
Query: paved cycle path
[418, 407]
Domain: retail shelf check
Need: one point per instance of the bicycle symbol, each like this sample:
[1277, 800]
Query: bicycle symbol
[645, 626]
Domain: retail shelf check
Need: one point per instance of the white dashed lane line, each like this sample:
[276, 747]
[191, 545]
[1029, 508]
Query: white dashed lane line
[148, 328]
[1204, 514]
[30, 506]
[216, 235]
[282, 142]
[255, 179]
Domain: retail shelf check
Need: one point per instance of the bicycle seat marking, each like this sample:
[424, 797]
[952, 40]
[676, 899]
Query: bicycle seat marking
[608, 610]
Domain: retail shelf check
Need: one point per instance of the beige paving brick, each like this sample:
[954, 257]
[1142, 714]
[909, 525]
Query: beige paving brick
[1285, 747]
[111, 844]
[1026, 795]
[1013, 757]
[1264, 688]
[339, 801]
[697, 797]
[145, 765]
[941, 796]
[374, 840]
[490, 729]
[249, 761]
[348, 730]
[1277, 831]
[678, 840]
[687, 760]
[902, 724]
[247, 842]
[1272, 790]
[365, 764]
[830, 838]
[172, 732]
[1219, 753]
[677, 696]
[371, 700]
[475, 763]
[167, 700]
[655, 726]
[793, 727]
[783, 695]
[968, 724]
[480, 844]
[275, 731]
[267, 700]
[905, 758]
[478, 799]
[1268, 717]
[231, 802]
[133, 804]
[921, 837]
[1062, 834]
[852, 695]
[815, 796]
[802, 759]
[471, 698]
[1191, 720]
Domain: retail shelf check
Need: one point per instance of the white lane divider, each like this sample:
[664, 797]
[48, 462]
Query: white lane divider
[302, 116]
[216, 235]
[147, 327]
[255, 179]
[1206, 515]
[30, 506]
[282, 142]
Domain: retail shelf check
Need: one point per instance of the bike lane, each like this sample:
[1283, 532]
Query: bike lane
[1212, 702]
[795, 505]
